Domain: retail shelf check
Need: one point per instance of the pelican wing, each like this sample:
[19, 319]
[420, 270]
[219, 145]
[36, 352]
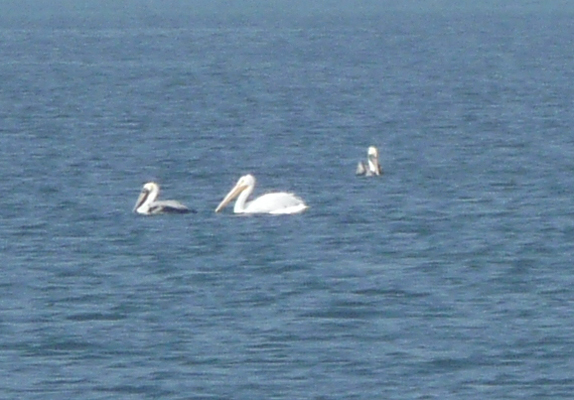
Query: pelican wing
[361, 169]
[168, 206]
[276, 203]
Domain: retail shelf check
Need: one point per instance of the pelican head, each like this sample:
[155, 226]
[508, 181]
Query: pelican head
[245, 182]
[148, 195]
[373, 158]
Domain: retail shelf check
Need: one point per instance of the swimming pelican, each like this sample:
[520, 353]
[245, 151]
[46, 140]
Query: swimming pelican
[270, 203]
[148, 205]
[372, 168]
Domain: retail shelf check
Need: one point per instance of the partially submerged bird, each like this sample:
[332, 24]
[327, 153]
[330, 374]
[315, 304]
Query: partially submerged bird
[270, 203]
[372, 167]
[148, 204]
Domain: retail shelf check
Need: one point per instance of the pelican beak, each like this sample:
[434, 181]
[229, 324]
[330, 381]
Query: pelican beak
[231, 195]
[375, 162]
[141, 199]
[377, 166]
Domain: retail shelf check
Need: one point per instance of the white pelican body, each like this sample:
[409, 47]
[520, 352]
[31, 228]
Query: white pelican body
[148, 204]
[270, 203]
[372, 168]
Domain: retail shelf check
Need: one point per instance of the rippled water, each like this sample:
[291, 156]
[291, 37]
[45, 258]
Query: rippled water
[448, 277]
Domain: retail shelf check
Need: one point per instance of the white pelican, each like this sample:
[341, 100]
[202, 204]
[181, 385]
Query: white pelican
[147, 203]
[270, 203]
[372, 168]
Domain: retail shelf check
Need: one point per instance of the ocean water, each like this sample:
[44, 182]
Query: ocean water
[449, 277]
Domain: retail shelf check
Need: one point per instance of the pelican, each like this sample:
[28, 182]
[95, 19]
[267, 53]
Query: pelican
[148, 205]
[270, 203]
[372, 168]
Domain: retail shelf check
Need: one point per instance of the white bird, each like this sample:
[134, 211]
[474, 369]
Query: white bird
[148, 204]
[270, 203]
[372, 168]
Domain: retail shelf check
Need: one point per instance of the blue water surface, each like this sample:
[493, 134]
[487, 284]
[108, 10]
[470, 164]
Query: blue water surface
[449, 277]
